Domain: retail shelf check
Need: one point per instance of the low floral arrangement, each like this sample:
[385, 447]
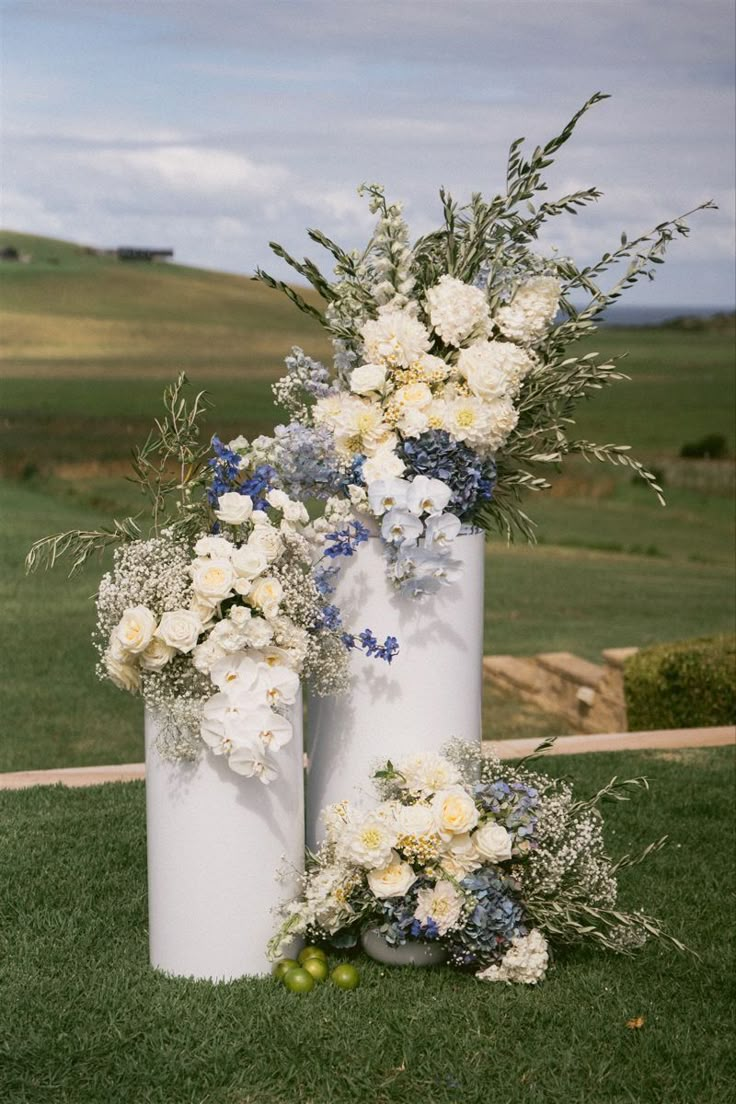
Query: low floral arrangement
[453, 387]
[216, 616]
[496, 864]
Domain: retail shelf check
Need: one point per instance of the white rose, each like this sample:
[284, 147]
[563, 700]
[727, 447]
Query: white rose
[214, 546]
[180, 629]
[212, 579]
[459, 856]
[454, 812]
[266, 594]
[366, 378]
[295, 512]
[413, 422]
[393, 880]
[239, 615]
[415, 820]
[234, 508]
[493, 842]
[124, 675]
[267, 540]
[204, 610]
[249, 561]
[383, 464]
[157, 655]
[413, 395]
[136, 629]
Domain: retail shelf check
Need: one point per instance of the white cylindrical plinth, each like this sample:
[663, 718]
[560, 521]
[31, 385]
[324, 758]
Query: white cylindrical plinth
[216, 841]
[430, 693]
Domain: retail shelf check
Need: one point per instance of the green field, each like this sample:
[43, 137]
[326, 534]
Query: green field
[88, 346]
[85, 1021]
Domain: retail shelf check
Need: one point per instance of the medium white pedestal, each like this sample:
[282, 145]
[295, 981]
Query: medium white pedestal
[215, 843]
[430, 693]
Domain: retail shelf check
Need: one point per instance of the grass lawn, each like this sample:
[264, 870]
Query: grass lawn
[86, 1021]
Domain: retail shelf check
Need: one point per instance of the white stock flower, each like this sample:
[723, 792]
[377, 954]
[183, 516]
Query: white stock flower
[214, 546]
[206, 654]
[180, 629]
[393, 880]
[257, 633]
[526, 961]
[366, 378]
[395, 338]
[240, 616]
[427, 773]
[369, 842]
[401, 527]
[493, 842]
[454, 812]
[442, 903]
[441, 530]
[383, 464]
[531, 311]
[266, 594]
[427, 496]
[503, 416]
[494, 369]
[136, 628]
[212, 579]
[156, 655]
[234, 508]
[385, 494]
[456, 310]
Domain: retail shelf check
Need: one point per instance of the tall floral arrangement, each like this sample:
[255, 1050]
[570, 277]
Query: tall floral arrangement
[496, 864]
[216, 614]
[453, 386]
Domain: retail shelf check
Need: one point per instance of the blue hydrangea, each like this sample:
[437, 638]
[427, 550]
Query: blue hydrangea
[439, 456]
[495, 919]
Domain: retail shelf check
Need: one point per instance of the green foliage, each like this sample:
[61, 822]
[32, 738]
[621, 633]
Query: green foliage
[711, 447]
[691, 684]
[85, 1020]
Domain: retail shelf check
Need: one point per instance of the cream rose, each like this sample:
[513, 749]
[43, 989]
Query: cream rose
[180, 629]
[234, 508]
[366, 378]
[393, 880]
[212, 579]
[266, 594]
[493, 842]
[454, 812]
[157, 655]
[415, 820]
[136, 629]
[214, 546]
[124, 675]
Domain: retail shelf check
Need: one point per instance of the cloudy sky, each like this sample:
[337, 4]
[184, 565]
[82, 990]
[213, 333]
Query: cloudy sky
[213, 126]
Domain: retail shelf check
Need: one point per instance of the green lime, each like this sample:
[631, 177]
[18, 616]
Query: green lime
[297, 980]
[345, 976]
[282, 967]
[317, 967]
[311, 952]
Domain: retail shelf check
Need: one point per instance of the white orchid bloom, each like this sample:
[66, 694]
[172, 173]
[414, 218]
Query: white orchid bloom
[441, 531]
[253, 761]
[386, 494]
[400, 527]
[427, 496]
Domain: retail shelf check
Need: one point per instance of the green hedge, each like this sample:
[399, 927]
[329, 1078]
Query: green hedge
[691, 684]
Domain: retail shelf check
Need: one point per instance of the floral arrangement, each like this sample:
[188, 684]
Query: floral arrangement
[453, 387]
[494, 863]
[216, 615]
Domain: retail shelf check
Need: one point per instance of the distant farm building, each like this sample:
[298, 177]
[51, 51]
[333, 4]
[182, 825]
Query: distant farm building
[135, 253]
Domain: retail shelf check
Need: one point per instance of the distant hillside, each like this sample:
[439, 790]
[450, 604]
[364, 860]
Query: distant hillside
[68, 312]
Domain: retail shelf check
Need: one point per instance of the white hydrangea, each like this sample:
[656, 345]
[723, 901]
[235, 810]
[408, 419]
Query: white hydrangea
[494, 369]
[457, 310]
[525, 962]
[531, 311]
[396, 338]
